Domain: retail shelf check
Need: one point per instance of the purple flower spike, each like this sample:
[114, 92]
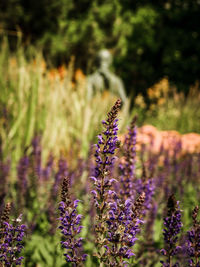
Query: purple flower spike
[11, 239]
[123, 224]
[70, 227]
[172, 227]
[107, 143]
[36, 154]
[47, 171]
[62, 172]
[103, 184]
[193, 244]
[118, 219]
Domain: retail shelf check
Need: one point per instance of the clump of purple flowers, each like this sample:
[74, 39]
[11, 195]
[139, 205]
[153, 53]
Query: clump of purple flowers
[172, 227]
[118, 218]
[11, 239]
[105, 149]
[193, 246]
[147, 185]
[123, 224]
[70, 227]
[62, 172]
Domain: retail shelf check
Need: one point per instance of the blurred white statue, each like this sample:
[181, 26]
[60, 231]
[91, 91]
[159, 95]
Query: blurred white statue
[103, 79]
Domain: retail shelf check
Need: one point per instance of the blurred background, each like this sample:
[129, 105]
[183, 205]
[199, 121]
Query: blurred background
[48, 48]
[148, 40]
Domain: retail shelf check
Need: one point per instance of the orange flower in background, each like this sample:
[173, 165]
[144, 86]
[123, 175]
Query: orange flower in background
[161, 101]
[139, 101]
[52, 74]
[62, 71]
[158, 93]
[150, 93]
[59, 73]
[79, 75]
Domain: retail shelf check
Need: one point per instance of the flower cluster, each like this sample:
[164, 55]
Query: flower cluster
[118, 218]
[11, 239]
[123, 224]
[62, 172]
[193, 246]
[48, 168]
[107, 142]
[70, 227]
[146, 185]
[104, 155]
[172, 228]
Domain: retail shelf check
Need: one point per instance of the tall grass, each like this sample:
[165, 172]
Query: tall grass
[51, 102]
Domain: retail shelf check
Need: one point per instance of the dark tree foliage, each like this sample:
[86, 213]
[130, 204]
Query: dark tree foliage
[149, 39]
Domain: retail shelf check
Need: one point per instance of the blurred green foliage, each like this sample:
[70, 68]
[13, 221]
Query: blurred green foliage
[150, 40]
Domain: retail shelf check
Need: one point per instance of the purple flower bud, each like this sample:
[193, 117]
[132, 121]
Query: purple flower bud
[193, 242]
[70, 226]
[11, 242]
[172, 228]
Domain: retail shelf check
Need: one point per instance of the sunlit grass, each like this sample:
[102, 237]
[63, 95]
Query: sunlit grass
[50, 102]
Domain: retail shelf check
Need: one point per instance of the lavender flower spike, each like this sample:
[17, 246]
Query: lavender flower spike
[172, 224]
[193, 246]
[123, 225]
[105, 149]
[70, 227]
[107, 142]
[11, 239]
